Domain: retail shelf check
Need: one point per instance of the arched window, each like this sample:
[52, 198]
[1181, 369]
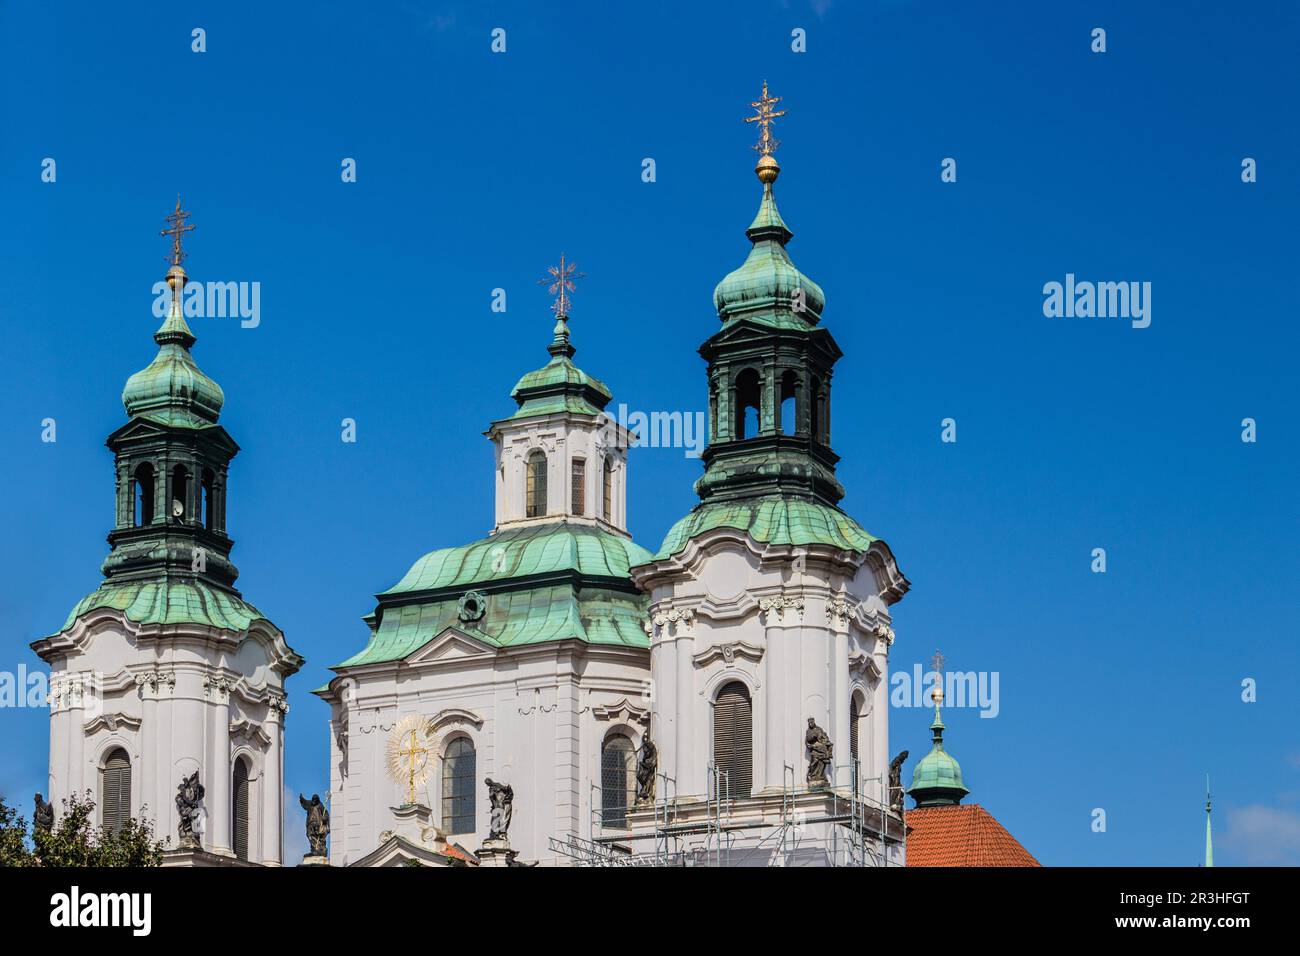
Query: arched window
[536, 490]
[578, 491]
[206, 508]
[789, 412]
[617, 780]
[607, 489]
[748, 395]
[239, 808]
[458, 778]
[144, 510]
[180, 504]
[733, 748]
[115, 790]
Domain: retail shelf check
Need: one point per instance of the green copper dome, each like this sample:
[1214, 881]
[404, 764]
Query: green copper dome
[936, 782]
[765, 288]
[171, 388]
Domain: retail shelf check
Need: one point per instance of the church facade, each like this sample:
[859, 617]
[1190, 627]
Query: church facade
[552, 693]
[633, 700]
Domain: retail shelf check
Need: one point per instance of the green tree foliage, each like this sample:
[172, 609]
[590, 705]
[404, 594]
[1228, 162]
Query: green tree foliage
[75, 841]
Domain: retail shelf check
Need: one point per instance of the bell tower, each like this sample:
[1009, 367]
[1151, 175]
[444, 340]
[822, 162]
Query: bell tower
[164, 670]
[769, 606]
[172, 458]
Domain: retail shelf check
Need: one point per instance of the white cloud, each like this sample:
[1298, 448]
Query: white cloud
[1261, 836]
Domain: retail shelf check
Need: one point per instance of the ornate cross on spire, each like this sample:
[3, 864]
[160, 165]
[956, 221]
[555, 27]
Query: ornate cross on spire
[560, 284]
[179, 225]
[936, 665]
[764, 118]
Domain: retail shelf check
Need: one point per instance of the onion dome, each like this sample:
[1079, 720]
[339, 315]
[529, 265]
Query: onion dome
[171, 388]
[767, 287]
[936, 782]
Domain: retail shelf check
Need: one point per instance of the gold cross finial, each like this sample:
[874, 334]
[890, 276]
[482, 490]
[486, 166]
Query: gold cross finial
[560, 284]
[179, 225]
[936, 662]
[764, 118]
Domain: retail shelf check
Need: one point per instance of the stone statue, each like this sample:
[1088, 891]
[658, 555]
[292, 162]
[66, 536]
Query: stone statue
[501, 796]
[896, 783]
[188, 794]
[318, 823]
[43, 818]
[647, 769]
[820, 752]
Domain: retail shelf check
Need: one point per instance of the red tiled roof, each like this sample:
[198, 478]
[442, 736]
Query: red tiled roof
[460, 853]
[961, 836]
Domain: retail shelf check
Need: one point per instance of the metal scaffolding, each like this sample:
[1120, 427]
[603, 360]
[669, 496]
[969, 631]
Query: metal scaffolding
[858, 830]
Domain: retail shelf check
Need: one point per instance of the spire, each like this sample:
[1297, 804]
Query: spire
[1209, 842]
[937, 782]
[767, 287]
[172, 388]
[174, 327]
[560, 282]
[560, 385]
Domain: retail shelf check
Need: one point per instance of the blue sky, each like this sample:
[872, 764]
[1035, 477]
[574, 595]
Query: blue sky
[475, 171]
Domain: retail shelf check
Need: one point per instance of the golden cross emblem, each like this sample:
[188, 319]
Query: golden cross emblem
[411, 751]
[764, 118]
[560, 284]
[936, 662]
[179, 225]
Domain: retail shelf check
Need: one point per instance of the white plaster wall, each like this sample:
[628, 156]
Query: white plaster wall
[537, 717]
[191, 700]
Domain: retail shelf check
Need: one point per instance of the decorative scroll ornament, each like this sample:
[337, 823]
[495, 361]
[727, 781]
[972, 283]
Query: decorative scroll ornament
[215, 683]
[156, 679]
[885, 632]
[683, 616]
[409, 752]
[780, 604]
[279, 704]
[839, 610]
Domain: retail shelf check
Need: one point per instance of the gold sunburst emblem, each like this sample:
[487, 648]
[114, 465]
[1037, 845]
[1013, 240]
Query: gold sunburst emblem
[410, 750]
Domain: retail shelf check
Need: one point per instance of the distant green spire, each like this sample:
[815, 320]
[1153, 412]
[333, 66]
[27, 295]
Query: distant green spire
[1209, 841]
[937, 782]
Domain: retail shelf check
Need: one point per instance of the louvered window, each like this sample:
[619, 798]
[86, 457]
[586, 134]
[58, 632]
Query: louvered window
[617, 780]
[239, 809]
[607, 491]
[578, 478]
[458, 777]
[733, 751]
[536, 491]
[853, 728]
[116, 802]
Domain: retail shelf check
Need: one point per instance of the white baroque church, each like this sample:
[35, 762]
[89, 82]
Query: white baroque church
[720, 699]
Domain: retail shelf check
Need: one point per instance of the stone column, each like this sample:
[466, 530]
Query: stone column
[880, 714]
[839, 703]
[216, 771]
[74, 722]
[664, 704]
[272, 801]
[802, 662]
